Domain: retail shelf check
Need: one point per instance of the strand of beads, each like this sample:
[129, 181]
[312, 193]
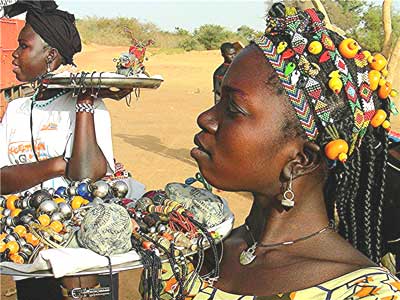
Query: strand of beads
[44, 103]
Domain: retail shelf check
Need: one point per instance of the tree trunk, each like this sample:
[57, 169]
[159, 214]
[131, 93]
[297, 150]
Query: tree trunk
[387, 26]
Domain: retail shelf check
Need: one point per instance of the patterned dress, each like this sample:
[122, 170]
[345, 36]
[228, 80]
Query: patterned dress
[373, 283]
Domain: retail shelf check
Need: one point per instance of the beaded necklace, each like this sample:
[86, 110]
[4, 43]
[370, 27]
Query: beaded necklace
[44, 103]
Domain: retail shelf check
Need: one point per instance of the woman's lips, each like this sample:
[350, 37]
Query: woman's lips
[199, 150]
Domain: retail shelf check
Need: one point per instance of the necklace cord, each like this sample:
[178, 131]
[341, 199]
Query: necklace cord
[331, 225]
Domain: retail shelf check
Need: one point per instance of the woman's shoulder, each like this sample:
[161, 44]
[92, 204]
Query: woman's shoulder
[367, 283]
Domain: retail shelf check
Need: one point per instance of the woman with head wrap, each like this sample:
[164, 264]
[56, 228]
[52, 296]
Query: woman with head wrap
[302, 127]
[53, 137]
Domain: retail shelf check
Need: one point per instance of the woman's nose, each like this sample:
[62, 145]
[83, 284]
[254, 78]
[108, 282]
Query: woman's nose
[14, 54]
[207, 120]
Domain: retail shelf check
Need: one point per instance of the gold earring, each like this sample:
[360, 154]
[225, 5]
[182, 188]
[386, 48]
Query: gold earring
[288, 195]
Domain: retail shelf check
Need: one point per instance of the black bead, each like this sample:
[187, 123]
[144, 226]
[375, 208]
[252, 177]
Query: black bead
[277, 10]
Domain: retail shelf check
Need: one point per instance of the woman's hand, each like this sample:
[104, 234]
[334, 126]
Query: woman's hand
[116, 94]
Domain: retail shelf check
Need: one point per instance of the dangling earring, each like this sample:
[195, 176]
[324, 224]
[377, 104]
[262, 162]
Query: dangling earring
[48, 66]
[288, 195]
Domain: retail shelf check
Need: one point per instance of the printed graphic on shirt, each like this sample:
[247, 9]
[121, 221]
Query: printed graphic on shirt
[21, 152]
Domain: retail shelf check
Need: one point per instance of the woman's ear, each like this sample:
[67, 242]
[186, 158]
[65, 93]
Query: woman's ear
[305, 161]
[54, 58]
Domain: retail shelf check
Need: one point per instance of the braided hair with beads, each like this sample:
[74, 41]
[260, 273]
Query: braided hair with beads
[328, 82]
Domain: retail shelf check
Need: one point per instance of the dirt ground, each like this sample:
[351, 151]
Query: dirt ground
[153, 137]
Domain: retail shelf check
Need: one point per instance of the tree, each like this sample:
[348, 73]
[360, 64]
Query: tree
[211, 36]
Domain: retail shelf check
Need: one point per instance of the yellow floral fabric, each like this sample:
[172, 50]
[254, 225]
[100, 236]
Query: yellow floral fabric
[372, 283]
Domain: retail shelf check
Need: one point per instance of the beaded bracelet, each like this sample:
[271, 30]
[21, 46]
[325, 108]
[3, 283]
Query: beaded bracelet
[84, 107]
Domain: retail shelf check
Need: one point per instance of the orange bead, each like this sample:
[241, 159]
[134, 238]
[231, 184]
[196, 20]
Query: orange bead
[57, 226]
[377, 62]
[20, 230]
[378, 118]
[18, 259]
[147, 245]
[15, 212]
[2, 236]
[12, 246]
[384, 90]
[59, 200]
[10, 202]
[168, 236]
[31, 239]
[348, 48]
[334, 148]
[44, 220]
[374, 77]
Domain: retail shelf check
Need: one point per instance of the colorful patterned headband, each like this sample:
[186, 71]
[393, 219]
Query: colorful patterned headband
[300, 49]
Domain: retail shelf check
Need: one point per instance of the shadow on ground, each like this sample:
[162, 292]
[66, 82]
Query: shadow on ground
[154, 144]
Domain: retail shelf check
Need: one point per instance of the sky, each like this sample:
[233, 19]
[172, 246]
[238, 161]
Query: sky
[167, 14]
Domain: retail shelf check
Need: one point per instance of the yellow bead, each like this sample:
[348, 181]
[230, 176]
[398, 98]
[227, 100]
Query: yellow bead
[57, 226]
[20, 230]
[15, 212]
[10, 202]
[342, 157]
[12, 246]
[393, 93]
[315, 47]
[335, 84]
[16, 258]
[59, 200]
[382, 81]
[384, 72]
[44, 220]
[367, 54]
[77, 202]
[31, 239]
[386, 124]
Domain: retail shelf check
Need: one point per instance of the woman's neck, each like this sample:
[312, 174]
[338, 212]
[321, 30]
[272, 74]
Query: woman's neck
[270, 223]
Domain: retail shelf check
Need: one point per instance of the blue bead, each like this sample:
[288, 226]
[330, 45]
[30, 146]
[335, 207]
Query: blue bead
[61, 191]
[190, 180]
[83, 190]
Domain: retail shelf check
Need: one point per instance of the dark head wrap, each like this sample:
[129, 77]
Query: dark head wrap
[56, 27]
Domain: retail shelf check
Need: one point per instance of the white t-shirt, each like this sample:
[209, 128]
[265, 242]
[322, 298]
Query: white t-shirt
[53, 132]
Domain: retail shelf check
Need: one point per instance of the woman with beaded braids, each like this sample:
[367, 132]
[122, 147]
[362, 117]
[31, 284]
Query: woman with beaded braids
[53, 137]
[299, 125]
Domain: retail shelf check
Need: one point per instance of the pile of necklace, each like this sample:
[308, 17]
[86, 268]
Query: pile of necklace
[163, 229]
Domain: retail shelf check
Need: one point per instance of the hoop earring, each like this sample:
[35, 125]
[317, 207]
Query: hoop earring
[288, 195]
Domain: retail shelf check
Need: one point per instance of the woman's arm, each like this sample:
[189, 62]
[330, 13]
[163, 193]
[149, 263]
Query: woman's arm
[87, 160]
[18, 178]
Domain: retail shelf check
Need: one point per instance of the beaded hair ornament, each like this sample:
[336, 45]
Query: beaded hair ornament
[303, 54]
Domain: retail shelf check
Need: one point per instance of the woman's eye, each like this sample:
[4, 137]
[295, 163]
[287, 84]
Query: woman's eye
[23, 46]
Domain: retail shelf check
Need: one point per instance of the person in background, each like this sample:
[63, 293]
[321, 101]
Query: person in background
[53, 137]
[228, 52]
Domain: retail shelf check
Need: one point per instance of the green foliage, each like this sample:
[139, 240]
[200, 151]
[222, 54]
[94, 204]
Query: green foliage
[362, 21]
[190, 43]
[211, 36]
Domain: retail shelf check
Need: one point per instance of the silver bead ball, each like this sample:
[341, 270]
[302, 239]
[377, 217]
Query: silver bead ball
[57, 216]
[65, 210]
[120, 189]
[97, 200]
[38, 197]
[6, 212]
[99, 188]
[2, 201]
[47, 207]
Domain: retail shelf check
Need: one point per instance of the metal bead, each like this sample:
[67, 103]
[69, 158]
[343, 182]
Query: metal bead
[83, 190]
[27, 249]
[47, 207]
[38, 197]
[26, 219]
[152, 229]
[51, 191]
[99, 189]
[6, 212]
[65, 210]
[120, 189]
[57, 216]
[2, 201]
[71, 190]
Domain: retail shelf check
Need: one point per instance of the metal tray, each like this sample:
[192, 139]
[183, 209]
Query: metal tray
[97, 82]
[115, 268]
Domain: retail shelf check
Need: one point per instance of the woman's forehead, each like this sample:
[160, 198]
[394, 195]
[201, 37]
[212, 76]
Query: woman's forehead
[27, 33]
